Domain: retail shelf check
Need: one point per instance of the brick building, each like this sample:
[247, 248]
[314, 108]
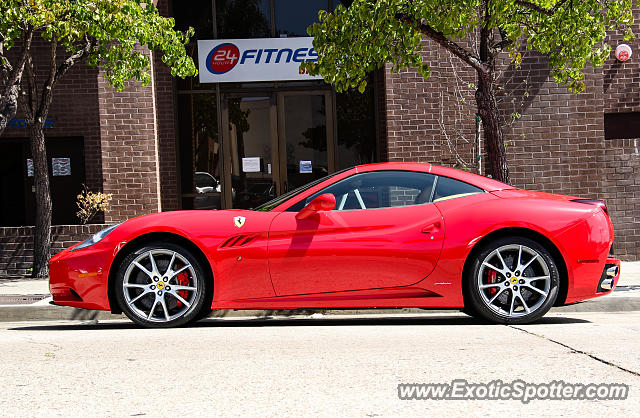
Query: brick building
[183, 144]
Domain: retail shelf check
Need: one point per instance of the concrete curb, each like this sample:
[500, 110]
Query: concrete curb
[16, 313]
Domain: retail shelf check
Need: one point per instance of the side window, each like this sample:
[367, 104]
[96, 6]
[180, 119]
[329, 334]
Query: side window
[378, 189]
[448, 188]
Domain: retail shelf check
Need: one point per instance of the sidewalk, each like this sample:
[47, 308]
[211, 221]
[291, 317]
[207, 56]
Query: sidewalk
[25, 299]
[629, 273]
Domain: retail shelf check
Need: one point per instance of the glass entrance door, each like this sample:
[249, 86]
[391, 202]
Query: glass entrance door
[305, 127]
[275, 142]
[253, 148]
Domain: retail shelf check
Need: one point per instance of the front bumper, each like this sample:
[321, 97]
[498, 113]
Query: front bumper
[80, 278]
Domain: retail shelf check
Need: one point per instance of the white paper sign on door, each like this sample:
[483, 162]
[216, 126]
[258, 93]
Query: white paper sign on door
[61, 166]
[251, 164]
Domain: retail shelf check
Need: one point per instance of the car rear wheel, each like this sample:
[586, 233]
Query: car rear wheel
[512, 280]
[161, 285]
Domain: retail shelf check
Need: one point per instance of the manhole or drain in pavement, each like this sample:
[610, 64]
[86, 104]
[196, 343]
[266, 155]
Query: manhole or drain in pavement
[21, 299]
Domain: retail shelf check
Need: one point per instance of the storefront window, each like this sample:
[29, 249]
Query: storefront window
[355, 116]
[251, 142]
[344, 3]
[199, 151]
[193, 83]
[279, 134]
[294, 16]
[198, 15]
[305, 123]
[243, 19]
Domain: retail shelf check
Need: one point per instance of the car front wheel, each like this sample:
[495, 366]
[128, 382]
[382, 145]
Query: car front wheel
[513, 280]
[161, 285]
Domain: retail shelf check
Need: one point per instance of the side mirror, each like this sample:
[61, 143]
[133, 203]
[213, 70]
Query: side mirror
[324, 202]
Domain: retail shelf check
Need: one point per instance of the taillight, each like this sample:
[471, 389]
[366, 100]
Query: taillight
[596, 202]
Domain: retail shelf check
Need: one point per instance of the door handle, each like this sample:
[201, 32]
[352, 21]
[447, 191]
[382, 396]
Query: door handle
[432, 228]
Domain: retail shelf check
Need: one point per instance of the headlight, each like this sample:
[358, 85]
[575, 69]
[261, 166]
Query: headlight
[95, 238]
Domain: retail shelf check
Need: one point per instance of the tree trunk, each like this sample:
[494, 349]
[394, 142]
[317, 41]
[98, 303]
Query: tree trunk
[8, 107]
[42, 233]
[493, 139]
[11, 80]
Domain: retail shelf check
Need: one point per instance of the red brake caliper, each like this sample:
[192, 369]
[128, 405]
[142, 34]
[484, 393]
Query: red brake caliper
[492, 277]
[183, 280]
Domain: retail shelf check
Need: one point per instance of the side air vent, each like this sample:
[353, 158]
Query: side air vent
[239, 240]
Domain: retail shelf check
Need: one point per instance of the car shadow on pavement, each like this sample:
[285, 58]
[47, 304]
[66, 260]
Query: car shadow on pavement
[299, 322]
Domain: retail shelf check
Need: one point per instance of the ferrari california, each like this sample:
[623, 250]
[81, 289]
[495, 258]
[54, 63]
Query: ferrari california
[378, 235]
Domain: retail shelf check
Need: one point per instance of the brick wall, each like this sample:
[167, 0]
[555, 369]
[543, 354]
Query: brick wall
[165, 115]
[16, 245]
[431, 120]
[621, 189]
[620, 160]
[129, 150]
[557, 145]
[138, 143]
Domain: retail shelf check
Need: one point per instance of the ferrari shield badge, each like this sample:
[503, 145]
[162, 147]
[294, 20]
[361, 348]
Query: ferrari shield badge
[238, 221]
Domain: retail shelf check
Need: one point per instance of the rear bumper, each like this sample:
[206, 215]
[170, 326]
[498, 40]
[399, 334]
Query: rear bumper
[586, 250]
[600, 285]
[610, 276]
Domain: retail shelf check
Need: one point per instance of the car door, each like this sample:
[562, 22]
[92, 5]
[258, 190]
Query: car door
[382, 233]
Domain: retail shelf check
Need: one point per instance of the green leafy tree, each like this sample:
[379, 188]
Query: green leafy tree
[113, 35]
[352, 42]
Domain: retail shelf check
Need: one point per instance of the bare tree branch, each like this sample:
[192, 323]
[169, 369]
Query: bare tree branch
[485, 34]
[47, 89]
[32, 89]
[56, 72]
[505, 42]
[11, 80]
[88, 47]
[15, 76]
[445, 42]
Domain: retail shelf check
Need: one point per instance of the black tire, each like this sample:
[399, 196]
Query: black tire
[160, 298]
[468, 310]
[204, 312]
[508, 295]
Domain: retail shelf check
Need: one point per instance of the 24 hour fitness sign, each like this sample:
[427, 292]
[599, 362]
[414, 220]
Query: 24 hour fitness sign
[239, 60]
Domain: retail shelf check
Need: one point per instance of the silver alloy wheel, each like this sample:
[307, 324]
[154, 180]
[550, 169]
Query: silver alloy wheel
[151, 288]
[514, 280]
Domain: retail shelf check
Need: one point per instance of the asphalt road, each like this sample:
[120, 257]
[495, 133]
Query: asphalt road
[347, 366]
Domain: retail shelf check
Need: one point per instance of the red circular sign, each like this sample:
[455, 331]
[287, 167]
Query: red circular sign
[623, 52]
[223, 58]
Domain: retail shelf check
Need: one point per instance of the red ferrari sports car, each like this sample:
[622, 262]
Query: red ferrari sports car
[378, 235]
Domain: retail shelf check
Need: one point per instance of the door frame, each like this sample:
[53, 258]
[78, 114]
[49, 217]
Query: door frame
[277, 134]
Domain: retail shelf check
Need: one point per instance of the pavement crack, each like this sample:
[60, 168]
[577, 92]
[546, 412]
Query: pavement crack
[54, 347]
[575, 350]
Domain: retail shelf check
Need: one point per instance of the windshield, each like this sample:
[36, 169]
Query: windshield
[266, 207]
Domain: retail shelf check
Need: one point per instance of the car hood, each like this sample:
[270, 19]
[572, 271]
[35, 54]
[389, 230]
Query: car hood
[206, 226]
